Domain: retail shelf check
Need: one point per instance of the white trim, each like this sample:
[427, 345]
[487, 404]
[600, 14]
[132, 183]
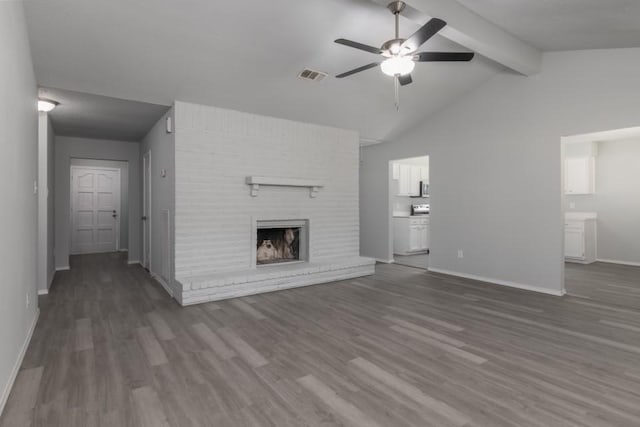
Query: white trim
[123, 250]
[52, 275]
[146, 211]
[16, 367]
[385, 261]
[499, 282]
[163, 283]
[256, 181]
[134, 261]
[615, 261]
[63, 268]
[43, 291]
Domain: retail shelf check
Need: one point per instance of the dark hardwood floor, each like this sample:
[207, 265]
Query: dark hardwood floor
[402, 348]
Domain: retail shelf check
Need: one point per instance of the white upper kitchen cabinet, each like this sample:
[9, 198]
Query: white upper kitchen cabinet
[409, 178]
[424, 174]
[580, 175]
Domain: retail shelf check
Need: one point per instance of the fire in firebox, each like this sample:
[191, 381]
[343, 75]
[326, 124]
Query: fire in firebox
[276, 245]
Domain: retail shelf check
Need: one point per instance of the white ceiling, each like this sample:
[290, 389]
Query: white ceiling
[565, 24]
[243, 55]
[100, 117]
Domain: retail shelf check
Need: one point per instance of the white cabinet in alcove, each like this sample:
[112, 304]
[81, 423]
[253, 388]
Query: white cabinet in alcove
[580, 175]
[580, 240]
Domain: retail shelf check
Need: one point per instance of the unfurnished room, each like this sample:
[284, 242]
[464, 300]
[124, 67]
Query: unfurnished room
[354, 213]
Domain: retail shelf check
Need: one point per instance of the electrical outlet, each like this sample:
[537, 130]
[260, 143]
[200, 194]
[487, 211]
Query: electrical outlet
[460, 254]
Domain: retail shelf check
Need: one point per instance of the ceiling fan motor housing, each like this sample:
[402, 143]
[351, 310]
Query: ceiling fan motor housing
[393, 47]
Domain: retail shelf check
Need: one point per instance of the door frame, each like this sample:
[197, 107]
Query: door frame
[146, 210]
[71, 203]
[390, 202]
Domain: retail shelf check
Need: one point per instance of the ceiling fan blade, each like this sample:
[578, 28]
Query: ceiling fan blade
[357, 45]
[405, 80]
[357, 70]
[425, 32]
[443, 56]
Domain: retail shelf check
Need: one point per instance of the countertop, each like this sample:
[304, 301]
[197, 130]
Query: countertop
[580, 216]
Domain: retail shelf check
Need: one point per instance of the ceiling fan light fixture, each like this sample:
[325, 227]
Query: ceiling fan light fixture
[397, 66]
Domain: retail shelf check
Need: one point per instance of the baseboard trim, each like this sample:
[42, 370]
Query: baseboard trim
[51, 277]
[499, 282]
[385, 261]
[16, 367]
[64, 268]
[43, 291]
[614, 261]
[164, 284]
[135, 261]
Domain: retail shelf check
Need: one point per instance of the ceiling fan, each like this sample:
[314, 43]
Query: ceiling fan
[400, 54]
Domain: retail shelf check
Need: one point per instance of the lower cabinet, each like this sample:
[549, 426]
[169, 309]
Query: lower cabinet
[410, 235]
[580, 241]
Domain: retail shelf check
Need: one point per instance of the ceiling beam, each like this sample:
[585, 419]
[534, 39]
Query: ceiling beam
[475, 33]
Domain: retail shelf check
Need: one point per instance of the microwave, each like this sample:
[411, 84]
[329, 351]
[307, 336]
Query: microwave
[424, 189]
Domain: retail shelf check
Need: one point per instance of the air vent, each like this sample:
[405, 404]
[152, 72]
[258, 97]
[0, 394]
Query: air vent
[313, 75]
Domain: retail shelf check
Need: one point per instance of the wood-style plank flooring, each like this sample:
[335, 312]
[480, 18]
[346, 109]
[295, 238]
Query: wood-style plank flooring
[401, 348]
[610, 283]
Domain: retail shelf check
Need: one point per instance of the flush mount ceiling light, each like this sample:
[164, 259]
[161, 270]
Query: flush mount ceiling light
[46, 105]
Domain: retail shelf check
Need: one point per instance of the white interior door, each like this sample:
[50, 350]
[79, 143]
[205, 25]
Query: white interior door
[95, 209]
[146, 210]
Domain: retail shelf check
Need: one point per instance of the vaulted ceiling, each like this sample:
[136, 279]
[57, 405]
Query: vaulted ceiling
[565, 24]
[243, 55]
[246, 55]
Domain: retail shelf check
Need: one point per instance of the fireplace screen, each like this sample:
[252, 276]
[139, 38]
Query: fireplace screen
[277, 245]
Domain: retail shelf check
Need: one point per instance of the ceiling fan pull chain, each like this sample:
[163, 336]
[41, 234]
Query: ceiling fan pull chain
[397, 92]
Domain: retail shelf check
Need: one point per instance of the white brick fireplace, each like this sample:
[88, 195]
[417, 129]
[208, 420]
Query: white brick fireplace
[238, 172]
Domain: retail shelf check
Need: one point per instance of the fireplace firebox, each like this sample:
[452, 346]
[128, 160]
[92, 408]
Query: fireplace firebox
[279, 242]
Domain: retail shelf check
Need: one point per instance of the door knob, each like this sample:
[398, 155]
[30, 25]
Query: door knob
[144, 218]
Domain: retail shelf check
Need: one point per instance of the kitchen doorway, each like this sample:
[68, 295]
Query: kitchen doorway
[409, 205]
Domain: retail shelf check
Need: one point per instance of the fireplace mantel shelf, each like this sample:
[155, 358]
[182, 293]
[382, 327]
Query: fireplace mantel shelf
[256, 181]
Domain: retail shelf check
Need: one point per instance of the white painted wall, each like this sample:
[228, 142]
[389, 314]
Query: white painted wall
[495, 166]
[67, 148]
[162, 146]
[18, 172]
[216, 149]
[617, 200]
[46, 235]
